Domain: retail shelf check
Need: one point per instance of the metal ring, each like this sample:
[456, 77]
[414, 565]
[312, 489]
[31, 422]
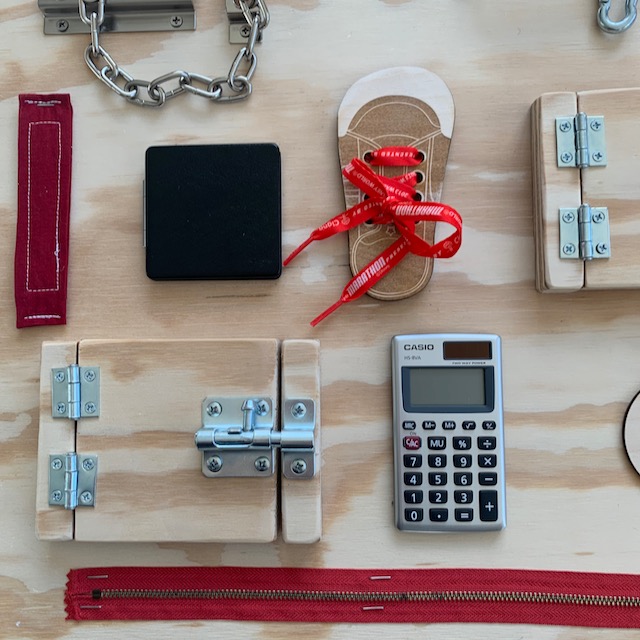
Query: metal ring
[204, 93]
[143, 102]
[105, 77]
[183, 78]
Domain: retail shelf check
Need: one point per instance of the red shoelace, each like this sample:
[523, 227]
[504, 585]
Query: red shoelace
[388, 201]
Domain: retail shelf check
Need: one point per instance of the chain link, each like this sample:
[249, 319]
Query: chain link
[154, 93]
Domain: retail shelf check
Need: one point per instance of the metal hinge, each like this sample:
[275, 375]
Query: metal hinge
[584, 233]
[63, 17]
[75, 392]
[72, 480]
[580, 141]
[238, 438]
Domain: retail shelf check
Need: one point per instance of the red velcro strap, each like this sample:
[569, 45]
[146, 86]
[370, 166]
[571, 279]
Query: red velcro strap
[44, 192]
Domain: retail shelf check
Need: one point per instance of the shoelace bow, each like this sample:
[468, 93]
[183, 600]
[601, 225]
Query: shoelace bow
[388, 201]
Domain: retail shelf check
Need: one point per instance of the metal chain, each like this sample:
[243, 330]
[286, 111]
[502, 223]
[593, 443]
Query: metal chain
[235, 86]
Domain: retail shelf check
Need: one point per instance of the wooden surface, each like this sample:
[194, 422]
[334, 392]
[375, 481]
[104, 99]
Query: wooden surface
[571, 361]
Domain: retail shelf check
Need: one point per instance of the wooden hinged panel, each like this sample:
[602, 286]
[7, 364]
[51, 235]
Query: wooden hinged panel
[150, 486]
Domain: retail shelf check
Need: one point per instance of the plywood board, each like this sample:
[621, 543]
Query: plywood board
[150, 485]
[301, 500]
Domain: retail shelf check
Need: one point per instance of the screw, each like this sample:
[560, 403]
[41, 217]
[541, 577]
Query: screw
[245, 31]
[86, 497]
[602, 248]
[60, 376]
[214, 409]
[298, 410]
[90, 375]
[565, 125]
[176, 21]
[595, 125]
[90, 407]
[569, 249]
[62, 25]
[566, 157]
[598, 216]
[56, 464]
[61, 407]
[56, 496]
[597, 156]
[214, 464]
[88, 464]
[262, 408]
[568, 217]
[263, 464]
[298, 466]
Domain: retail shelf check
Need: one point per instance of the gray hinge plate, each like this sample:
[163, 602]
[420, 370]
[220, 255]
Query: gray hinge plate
[584, 233]
[75, 392]
[63, 17]
[238, 438]
[72, 480]
[581, 141]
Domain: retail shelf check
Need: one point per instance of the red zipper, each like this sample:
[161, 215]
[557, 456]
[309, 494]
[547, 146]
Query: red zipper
[354, 595]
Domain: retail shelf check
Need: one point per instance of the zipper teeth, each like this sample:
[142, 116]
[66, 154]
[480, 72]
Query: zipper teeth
[367, 597]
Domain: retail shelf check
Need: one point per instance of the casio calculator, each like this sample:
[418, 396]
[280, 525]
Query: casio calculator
[448, 432]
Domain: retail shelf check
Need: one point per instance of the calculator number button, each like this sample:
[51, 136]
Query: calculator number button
[488, 506]
[412, 461]
[438, 515]
[462, 479]
[412, 442]
[462, 461]
[463, 497]
[413, 515]
[437, 461]
[436, 444]
[413, 479]
[437, 479]
[413, 497]
[438, 497]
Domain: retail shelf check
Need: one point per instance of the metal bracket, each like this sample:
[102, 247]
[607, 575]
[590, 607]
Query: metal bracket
[584, 233]
[581, 141]
[63, 17]
[238, 438]
[239, 30]
[75, 392]
[72, 480]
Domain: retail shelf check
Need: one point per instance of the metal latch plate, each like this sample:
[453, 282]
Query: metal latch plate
[72, 480]
[575, 245]
[581, 141]
[63, 17]
[299, 415]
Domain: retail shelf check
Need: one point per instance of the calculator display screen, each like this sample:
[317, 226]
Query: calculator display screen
[460, 389]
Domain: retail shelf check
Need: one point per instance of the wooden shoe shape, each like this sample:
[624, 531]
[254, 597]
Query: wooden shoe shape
[403, 106]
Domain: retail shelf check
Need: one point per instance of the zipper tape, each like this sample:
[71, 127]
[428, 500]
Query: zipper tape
[354, 595]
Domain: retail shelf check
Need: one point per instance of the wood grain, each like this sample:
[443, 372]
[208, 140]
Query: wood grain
[571, 361]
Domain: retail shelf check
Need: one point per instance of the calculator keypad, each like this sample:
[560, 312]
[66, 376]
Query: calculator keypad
[452, 475]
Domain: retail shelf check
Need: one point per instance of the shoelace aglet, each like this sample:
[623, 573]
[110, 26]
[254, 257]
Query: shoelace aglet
[327, 312]
[296, 251]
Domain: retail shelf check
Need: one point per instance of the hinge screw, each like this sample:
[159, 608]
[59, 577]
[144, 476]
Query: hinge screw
[61, 407]
[602, 248]
[56, 496]
[598, 216]
[597, 156]
[214, 409]
[90, 407]
[60, 376]
[565, 125]
[62, 25]
[56, 464]
[86, 497]
[263, 464]
[88, 464]
[214, 464]
[90, 375]
[262, 408]
[298, 466]
[569, 249]
[566, 157]
[299, 410]
[568, 217]
[176, 21]
[595, 125]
